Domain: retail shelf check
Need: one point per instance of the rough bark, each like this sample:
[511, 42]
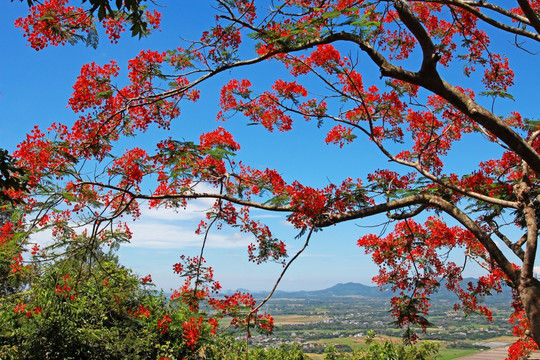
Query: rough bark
[529, 291]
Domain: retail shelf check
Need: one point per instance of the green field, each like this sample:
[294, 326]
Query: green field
[297, 319]
[450, 354]
[445, 353]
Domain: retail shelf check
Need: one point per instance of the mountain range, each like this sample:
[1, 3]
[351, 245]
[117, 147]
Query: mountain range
[351, 289]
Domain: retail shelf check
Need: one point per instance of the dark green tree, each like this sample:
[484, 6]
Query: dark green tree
[12, 178]
[87, 306]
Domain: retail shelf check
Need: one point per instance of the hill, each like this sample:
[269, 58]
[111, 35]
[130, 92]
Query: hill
[351, 289]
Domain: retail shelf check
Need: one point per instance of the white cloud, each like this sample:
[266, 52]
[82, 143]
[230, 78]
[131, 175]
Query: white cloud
[165, 228]
[196, 209]
[160, 235]
[170, 228]
[43, 239]
[162, 228]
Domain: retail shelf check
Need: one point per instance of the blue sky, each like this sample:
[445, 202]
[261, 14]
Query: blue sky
[35, 87]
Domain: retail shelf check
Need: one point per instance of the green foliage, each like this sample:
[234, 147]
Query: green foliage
[386, 350]
[89, 307]
[10, 248]
[85, 305]
[284, 352]
[226, 348]
[11, 176]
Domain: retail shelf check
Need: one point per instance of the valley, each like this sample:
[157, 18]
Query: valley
[342, 315]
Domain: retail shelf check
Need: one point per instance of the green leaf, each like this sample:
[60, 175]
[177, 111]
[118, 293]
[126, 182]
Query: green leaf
[331, 15]
[532, 124]
[496, 93]
[104, 94]
[278, 200]
[102, 13]
[68, 196]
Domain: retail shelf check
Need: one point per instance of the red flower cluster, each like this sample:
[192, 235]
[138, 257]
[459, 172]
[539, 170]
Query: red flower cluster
[114, 27]
[164, 323]
[192, 331]
[21, 308]
[220, 138]
[198, 287]
[223, 42]
[153, 18]
[339, 135]
[64, 289]
[93, 86]
[498, 77]
[525, 345]
[411, 264]
[266, 108]
[142, 312]
[53, 22]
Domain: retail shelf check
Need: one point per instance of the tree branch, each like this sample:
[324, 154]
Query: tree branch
[430, 55]
[471, 7]
[192, 195]
[434, 201]
[515, 247]
[522, 191]
[530, 14]
[434, 83]
[407, 215]
[282, 274]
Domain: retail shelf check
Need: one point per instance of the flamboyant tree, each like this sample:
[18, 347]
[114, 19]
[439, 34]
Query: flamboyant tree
[414, 114]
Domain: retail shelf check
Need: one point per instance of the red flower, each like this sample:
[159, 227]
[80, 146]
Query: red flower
[192, 331]
[20, 307]
[164, 324]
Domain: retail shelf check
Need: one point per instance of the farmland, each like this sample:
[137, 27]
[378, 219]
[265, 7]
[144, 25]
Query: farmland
[341, 316]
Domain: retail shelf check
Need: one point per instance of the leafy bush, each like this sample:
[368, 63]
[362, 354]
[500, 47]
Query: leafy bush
[385, 350]
[93, 308]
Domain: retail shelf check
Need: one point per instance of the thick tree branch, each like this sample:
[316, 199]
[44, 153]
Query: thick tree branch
[331, 219]
[407, 215]
[429, 52]
[487, 119]
[429, 79]
[437, 202]
[442, 182]
[390, 156]
[530, 14]
[435, 84]
[523, 192]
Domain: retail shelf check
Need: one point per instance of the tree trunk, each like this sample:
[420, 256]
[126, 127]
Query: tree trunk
[529, 291]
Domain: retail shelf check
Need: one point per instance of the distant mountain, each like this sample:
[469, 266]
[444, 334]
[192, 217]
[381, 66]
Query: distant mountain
[351, 289]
